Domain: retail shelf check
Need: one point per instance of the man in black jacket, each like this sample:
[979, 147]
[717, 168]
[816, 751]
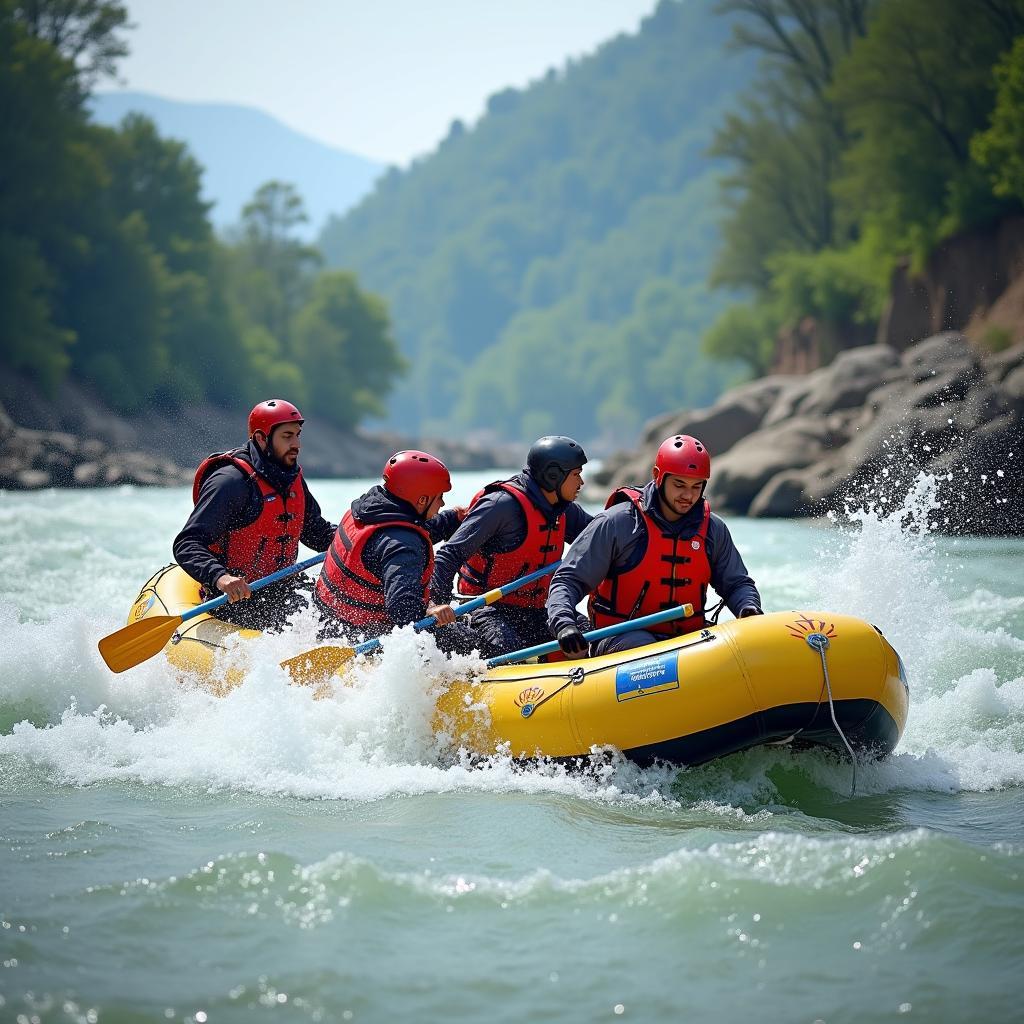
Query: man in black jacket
[252, 509]
[380, 562]
[513, 528]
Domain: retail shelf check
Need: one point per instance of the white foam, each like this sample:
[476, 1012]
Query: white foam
[374, 738]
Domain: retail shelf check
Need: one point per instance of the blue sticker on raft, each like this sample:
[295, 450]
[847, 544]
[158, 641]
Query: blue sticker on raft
[652, 675]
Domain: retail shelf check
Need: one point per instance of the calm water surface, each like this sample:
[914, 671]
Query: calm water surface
[168, 856]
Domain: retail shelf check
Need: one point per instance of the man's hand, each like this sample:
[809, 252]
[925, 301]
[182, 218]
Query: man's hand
[461, 511]
[750, 610]
[234, 586]
[444, 613]
[570, 639]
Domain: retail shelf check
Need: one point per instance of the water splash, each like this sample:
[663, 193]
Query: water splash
[64, 715]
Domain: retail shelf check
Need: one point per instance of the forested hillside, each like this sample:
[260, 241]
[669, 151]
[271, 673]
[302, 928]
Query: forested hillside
[109, 268]
[241, 148]
[876, 130]
[546, 267]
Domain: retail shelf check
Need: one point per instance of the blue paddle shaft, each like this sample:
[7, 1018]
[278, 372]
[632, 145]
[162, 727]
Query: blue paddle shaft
[594, 634]
[478, 602]
[288, 570]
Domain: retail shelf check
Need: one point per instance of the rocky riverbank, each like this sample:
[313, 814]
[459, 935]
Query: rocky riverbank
[73, 440]
[864, 427]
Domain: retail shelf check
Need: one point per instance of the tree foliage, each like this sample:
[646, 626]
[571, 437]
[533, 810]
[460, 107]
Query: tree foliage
[515, 259]
[999, 150]
[109, 269]
[882, 134]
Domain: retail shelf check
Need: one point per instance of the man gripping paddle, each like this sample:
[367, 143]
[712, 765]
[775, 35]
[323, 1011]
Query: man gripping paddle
[252, 508]
[379, 565]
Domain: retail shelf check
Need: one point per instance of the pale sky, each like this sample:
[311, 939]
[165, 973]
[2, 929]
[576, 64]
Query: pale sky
[381, 78]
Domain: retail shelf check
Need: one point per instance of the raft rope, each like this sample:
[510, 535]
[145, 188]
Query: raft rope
[820, 643]
[184, 634]
[578, 673]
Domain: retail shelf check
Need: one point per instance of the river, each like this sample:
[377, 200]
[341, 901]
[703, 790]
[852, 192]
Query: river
[166, 855]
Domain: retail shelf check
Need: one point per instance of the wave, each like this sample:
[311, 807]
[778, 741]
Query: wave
[64, 715]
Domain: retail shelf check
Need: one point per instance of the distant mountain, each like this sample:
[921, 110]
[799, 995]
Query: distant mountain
[241, 148]
[546, 267]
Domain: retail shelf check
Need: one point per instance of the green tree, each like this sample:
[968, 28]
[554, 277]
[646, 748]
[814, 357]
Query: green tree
[84, 32]
[345, 348]
[744, 332]
[785, 145]
[42, 174]
[528, 235]
[999, 149]
[915, 90]
[276, 266]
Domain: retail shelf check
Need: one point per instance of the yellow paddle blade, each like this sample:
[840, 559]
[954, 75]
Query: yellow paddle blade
[137, 642]
[317, 665]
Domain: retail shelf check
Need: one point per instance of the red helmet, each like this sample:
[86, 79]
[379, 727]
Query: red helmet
[413, 475]
[272, 413]
[682, 455]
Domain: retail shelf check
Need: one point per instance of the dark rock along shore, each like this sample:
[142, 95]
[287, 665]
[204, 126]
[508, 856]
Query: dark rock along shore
[74, 440]
[803, 445]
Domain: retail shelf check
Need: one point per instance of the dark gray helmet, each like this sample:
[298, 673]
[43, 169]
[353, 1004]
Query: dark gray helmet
[552, 459]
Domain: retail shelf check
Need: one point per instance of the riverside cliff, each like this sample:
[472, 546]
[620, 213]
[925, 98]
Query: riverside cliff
[865, 425]
[804, 441]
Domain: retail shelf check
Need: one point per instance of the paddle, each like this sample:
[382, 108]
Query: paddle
[322, 662]
[683, 611]
[135, 643]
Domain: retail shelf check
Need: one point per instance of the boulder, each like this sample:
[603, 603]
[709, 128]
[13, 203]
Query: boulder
[999, 365]
[1013, 386]
[844, 384]
[736, 415]
[950, 350]
[782, 497]
[87, 474]
[740, 474]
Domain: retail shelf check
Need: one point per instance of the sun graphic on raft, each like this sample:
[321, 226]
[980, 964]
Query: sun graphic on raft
[803, 626]
[530, 696]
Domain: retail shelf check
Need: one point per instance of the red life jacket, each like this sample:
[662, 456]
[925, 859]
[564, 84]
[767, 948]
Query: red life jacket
[673, 571]
[271, 540]
[346, 586]
[541, 546]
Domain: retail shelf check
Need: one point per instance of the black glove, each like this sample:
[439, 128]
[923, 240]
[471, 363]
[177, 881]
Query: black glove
[750, 610]
[570, 639]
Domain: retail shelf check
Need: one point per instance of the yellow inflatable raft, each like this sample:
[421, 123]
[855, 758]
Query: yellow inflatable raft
[697, 697]
[808, 676]
[194, 648]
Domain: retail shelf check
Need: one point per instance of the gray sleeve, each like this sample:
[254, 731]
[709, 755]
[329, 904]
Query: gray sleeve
[606, 542]
[577, 519]
[494, 515]
[728, 573]
[443, 525]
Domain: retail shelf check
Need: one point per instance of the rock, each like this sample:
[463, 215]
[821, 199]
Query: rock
[949, 349]
[736, 415]
[1000, 365]
[739, 475]
[32, 479]
[783, 496]
[7, 426]
[844, 384]
[86, 474]
[1013, 386]
[77, 422]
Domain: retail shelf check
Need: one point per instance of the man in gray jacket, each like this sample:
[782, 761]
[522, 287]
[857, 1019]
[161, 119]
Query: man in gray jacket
[651, 549]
